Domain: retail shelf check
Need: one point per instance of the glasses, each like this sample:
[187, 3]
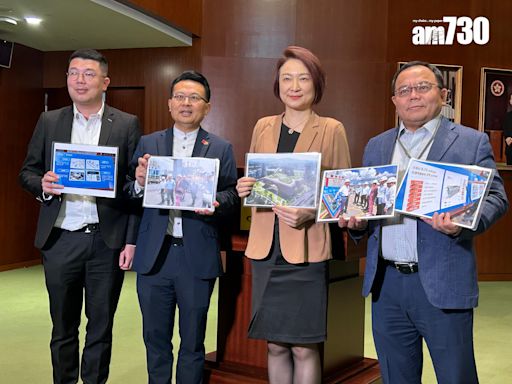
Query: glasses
[88, 75]
[193, 99]
[419, 88]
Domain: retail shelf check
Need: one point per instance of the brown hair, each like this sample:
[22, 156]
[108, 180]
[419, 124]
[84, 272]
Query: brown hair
[311, 62]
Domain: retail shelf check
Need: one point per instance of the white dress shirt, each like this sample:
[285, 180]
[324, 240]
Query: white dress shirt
[182, 146]
[399, 234]
[77, 211]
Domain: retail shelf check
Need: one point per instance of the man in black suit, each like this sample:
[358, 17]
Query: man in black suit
[86, 242]
[177, 258]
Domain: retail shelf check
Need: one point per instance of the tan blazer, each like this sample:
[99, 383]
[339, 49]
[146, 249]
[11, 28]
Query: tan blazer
[312, 243]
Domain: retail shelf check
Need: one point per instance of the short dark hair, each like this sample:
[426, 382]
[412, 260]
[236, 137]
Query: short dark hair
[433, 68]
[193, 76]
[90, 54]
[312, 64]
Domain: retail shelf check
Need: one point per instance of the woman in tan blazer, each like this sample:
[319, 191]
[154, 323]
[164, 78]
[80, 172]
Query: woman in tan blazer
[289, 251]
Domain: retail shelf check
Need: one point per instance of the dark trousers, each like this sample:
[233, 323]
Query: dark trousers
[508, 154]
[78, 264]
[402, 317]
[173, 284]
[380, 208]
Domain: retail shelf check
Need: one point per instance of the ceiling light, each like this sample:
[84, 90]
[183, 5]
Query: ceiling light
[33, 20]
[8, 20]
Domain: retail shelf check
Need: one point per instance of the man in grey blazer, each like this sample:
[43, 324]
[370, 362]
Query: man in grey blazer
[86, 242]
[422, 273]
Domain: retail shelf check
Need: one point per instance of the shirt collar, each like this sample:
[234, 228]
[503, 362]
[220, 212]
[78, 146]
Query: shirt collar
[98, 115]
[429, 126]
[182, 135]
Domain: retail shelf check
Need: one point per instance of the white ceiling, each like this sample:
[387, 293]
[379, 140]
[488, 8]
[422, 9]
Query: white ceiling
[73, 24]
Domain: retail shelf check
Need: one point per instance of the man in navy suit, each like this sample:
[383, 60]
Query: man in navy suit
[422, 273]
[86, 242]
[177, 257]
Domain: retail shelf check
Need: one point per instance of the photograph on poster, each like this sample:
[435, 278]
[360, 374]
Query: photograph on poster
[496, 110]
[429, 187]
[187, 183]
[367, 193]
[288, 179]
[452, 80]
[88, 170]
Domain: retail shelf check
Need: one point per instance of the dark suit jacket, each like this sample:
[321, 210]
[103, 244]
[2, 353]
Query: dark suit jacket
[447, 265]
[118, 129]
[200, 232]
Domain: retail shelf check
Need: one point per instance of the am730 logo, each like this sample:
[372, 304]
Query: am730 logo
[464, 30]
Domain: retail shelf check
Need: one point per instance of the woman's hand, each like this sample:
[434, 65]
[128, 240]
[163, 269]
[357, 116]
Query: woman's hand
[353, 223]
[294, 217]
[244, 186]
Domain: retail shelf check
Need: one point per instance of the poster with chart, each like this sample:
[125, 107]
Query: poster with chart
[88, 170]
[429, 187]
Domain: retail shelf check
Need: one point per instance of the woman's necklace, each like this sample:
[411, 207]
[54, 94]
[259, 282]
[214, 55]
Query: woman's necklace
[293, 127]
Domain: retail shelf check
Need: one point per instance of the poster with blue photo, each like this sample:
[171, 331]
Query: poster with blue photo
[429, 187]
[86, 169]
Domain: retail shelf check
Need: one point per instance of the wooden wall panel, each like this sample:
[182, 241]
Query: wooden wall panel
[241, 94]
[21, 102]
[250, 28]
[354, 58]
[240, 46]
[185, 15]
[492, 248]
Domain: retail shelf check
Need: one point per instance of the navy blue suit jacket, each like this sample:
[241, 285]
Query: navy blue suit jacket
[447, 265]
[200, 232]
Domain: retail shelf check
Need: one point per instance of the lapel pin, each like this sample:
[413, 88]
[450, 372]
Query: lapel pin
[109, 119]
[204, 142]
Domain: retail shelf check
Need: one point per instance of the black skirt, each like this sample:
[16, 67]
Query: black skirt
[289, 301]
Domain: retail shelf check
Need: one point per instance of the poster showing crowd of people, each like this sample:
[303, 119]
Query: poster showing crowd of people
[429, 187]
[181, 183]
[367, 192]
[288, 179]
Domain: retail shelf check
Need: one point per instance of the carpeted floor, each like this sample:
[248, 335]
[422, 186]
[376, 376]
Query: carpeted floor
[25, 331]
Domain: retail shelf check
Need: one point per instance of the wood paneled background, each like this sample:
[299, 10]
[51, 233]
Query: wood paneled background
[21, 102]
[236, 45]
